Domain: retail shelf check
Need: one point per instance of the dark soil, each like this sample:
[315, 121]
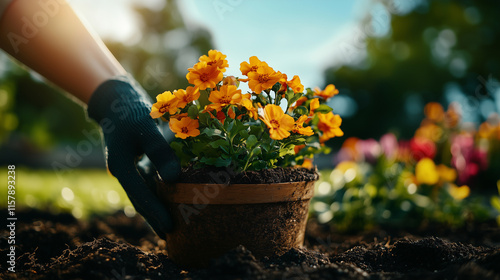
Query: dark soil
[118, 247]
[225, 175]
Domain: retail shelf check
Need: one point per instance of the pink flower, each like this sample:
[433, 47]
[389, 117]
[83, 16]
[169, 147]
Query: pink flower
[389, 145]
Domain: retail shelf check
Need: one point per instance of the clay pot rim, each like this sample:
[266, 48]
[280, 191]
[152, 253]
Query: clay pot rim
[196, 194]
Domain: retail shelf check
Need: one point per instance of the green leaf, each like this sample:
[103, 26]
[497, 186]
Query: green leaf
[258, 165]
[244, 134]
[193, 112]
[256, 151]
[251, 141]
[324, 109]
[212, 132]
[295, 98]
[287, 150]
[219, 143]
[220, 162]
[300, 111]
[204, 118]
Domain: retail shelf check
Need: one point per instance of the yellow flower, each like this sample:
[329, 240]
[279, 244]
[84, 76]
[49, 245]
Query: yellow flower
[254, 64]
[300, 129]
[329, 124]
[425, 172]
[328, 92]
[459, 193]
[165, 102]
[227, 94]
[186, 96]
[446, 174]
[277, 121]
[204, 76]
[295, 84]
[185, 127]
[264, 78]
[215, 58]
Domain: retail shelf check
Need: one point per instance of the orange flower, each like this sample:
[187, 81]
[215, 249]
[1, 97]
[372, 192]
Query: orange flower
[227, 94]
[452, 115]
[230, 80]
[252, 111]
[434, 111]
[264, 78]
[204, 76]
[283, 81]
[313, 106]
[279, 123]
[295, 84]
[308, 163]
[165, 102]
[300, 129]
[178, 116]
[297, 148]
[254, 64]
[299, 102]
[215, 58]
[185, 127]
[429, 131]
[329, 124]
[186, 96]
[328, 92]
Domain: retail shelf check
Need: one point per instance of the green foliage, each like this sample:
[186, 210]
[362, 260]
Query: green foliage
[357, 196]
[435, 45]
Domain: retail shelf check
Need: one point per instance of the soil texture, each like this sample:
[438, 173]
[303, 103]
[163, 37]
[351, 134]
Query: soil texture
[118, 247]
[225, 175]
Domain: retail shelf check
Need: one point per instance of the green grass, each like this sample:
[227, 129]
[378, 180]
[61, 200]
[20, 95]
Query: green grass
[80, 192]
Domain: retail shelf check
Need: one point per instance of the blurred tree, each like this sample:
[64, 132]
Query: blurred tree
[430, 46]
[37, 115]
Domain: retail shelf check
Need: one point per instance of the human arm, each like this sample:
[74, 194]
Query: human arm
[48, 37]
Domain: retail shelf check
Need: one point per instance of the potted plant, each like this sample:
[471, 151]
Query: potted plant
[248, 175]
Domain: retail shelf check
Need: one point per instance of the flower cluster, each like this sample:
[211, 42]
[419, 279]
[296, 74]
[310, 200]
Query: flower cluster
[437, 175]
[276, 123]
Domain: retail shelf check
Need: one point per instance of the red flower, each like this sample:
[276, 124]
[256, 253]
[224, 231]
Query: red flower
[422, 148]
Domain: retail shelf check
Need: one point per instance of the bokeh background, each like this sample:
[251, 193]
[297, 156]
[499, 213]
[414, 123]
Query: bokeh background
[388, 58]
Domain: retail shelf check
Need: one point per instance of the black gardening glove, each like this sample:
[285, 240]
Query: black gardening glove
[121, 107]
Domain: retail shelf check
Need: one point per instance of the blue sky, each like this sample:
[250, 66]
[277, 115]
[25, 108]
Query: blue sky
[293, 36]
[296, 37]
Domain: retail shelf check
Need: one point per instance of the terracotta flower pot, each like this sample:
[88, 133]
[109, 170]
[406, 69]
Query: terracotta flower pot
[211, 219]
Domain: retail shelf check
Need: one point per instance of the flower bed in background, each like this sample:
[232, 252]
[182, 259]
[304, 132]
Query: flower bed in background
[447, 174]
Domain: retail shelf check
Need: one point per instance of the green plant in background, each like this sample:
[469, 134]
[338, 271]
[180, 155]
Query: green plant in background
[495, 202]
[360, 195]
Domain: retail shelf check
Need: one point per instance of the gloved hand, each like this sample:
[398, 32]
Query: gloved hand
[121, 107]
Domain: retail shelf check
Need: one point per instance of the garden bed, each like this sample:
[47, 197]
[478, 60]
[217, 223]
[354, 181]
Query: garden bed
[118, 247]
